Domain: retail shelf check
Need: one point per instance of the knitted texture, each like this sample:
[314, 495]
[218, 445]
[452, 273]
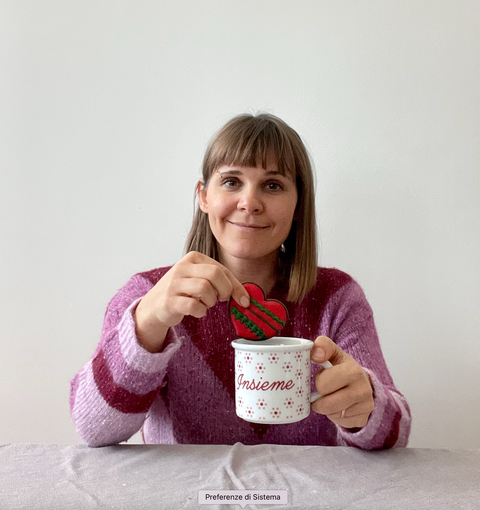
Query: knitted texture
[186, 393]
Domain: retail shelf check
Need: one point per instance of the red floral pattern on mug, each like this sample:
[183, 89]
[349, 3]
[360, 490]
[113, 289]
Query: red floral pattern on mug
[289, 402]
[287, 366]
[248, 357]
[300, 408]
[299, 391]
[261, 404]
[260, 368]
[249, 412]
[273, 358]
[276, 413]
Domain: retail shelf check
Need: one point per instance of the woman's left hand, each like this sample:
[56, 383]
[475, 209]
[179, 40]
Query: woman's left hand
[347, 393]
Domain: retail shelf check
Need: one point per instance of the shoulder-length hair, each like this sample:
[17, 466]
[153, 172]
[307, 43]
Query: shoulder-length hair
[249, 141]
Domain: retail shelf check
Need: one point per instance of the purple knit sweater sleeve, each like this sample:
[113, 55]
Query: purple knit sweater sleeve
[111, 395]
[354, 331]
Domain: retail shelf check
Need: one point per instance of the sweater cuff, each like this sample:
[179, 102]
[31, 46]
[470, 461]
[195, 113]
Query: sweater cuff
[134, 354]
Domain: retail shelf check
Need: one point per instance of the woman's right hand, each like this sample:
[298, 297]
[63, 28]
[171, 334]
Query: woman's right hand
[192, 286]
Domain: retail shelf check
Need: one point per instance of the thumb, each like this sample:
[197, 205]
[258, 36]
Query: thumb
[325, 349]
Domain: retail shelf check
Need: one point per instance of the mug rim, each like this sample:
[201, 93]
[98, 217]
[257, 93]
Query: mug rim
[293, 344]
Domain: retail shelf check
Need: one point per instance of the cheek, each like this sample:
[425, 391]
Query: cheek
[218, 209]
[287, 222]
[288, 212]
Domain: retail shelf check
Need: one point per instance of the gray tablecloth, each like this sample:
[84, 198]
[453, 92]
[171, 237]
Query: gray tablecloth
[156, 477]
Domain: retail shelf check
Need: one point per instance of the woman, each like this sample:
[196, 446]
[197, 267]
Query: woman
[164, 362]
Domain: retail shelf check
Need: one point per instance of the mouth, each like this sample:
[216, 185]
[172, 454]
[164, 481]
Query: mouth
[246, 226]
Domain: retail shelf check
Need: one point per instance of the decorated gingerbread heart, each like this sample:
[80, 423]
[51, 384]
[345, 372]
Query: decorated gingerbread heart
[263, 319]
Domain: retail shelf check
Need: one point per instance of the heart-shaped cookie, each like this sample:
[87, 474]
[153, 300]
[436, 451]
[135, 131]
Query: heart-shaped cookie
[263, 319]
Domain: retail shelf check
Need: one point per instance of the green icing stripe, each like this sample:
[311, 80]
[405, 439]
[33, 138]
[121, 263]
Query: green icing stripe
[268, 312]
[243, 319]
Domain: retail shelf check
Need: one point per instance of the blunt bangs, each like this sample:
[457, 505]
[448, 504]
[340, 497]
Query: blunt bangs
[251, 142]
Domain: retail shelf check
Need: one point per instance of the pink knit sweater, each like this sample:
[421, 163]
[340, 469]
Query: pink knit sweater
[185, 394]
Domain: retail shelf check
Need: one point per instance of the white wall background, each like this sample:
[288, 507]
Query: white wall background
[106, 108]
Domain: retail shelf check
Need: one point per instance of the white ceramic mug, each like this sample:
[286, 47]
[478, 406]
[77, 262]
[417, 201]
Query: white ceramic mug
[272, 379]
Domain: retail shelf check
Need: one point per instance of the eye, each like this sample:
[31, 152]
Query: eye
[230, 182]
[274, 186]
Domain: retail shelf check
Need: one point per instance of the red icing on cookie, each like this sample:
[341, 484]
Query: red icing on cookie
[263, 319]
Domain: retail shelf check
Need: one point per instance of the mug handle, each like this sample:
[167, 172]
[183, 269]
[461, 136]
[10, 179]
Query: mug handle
[315, 395]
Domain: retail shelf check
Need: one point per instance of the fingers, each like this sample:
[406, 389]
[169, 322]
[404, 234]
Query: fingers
[353, 411]
[189, 306]
[219, 279]
[346, 388]
[222, 280]
[353, 417]
[191, 287]
[345, 410]
[238, 291]
[356, 399]
[325, 349]
[200, 289]
[340, 376]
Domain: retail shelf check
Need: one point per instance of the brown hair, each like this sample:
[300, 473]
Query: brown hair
[248, 140]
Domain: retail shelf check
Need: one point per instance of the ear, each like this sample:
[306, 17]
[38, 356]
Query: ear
[202, 195]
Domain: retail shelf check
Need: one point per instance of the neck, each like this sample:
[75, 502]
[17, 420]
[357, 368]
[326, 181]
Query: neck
[262, 272]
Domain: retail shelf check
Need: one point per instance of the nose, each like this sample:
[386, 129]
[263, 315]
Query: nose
[250, 201]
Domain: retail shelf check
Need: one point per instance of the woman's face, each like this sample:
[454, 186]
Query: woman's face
[250, 210]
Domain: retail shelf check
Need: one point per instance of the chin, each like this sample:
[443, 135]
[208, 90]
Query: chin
[251, 254]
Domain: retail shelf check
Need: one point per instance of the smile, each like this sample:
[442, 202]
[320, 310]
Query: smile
[244, 226]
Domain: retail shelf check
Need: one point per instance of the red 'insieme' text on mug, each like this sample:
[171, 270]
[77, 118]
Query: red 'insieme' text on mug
[263, 385]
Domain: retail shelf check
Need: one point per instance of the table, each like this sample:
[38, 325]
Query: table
[170, 477]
